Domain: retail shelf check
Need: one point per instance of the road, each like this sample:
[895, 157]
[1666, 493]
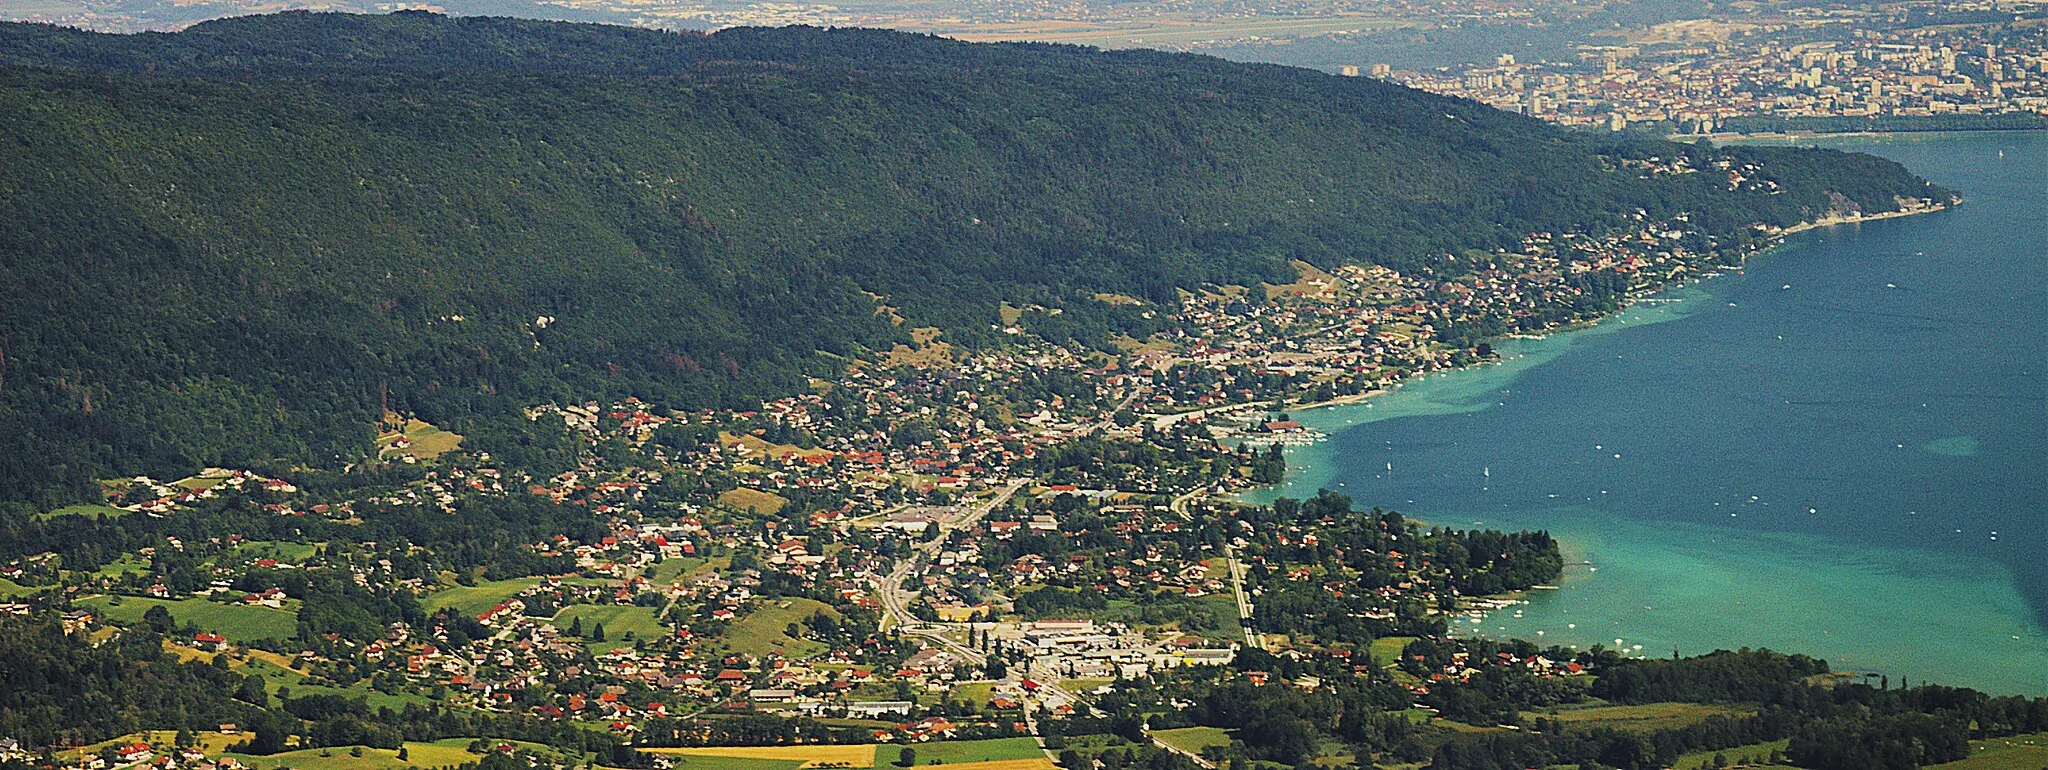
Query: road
[896, 599]
[1244, 604]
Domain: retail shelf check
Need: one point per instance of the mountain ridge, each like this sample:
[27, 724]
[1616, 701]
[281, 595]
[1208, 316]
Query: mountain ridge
[241, 242]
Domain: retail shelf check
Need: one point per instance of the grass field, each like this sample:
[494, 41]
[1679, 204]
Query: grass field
[11, 588]
[422, 755]
[1643, 718]
[475, 600]
[211, 742]
[730, 763]
[761, 631]
[743, 499]
[1704, 760]
[428, 441]
[622, 624]
[289, 553]
[1387, 652]
[1039, 762]
[671, 569]
[128, 563]
[977, 693]
[237, 622]
[781, 756]
[1193, 739]
[86, 510]
[966, 752]
[2019, 751]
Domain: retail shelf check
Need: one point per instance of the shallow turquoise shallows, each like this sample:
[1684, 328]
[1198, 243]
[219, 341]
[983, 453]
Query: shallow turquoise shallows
[1842, 451]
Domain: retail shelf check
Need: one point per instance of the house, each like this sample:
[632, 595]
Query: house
[878, 708]
[209, 641]
[77, 620]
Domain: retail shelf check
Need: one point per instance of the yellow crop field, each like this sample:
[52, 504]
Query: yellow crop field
[810, 756]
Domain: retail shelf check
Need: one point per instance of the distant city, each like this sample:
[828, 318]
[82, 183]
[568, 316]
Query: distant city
[1744, 67]
[1699, 75]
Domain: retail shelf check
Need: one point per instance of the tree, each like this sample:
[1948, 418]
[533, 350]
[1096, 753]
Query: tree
[403, 755]
[597, 634]
[1071, 760]
[907, 757]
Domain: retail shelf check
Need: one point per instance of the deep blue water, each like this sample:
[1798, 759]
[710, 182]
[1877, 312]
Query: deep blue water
[1843, 450]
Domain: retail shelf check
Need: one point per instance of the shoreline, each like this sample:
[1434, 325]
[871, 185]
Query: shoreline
[1831, 220]
[1593, 606]
[1737, 136]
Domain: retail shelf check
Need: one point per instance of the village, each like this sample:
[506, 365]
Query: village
[938, 546]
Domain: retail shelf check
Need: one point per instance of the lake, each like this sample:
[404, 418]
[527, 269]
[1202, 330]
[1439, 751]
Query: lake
[1841, 451]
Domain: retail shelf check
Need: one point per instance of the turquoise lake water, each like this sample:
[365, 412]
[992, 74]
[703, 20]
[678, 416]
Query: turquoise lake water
[1842, 451]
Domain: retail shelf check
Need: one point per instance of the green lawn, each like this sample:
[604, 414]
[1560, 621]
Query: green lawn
[622, 624]
[1643, 718]
[477, 599]
[956, 752]
[2019, 751]
[1704, 760]
[761, 631]
[1193, 739]
[11, 588]
[237, 622]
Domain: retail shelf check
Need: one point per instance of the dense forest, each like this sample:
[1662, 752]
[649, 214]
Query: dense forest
[239, 243]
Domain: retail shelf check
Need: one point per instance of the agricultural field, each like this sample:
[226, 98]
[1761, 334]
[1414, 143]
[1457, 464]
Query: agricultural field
[1193, 739]
[719, 757]
[761, 631]
[622, 624]
[1643, 718]
[953, 753]
[726, 763]
[11, 588]
[1039, 762]
[239, 623]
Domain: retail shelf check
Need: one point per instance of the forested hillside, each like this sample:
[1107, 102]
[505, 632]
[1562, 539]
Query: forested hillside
[237, 244]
